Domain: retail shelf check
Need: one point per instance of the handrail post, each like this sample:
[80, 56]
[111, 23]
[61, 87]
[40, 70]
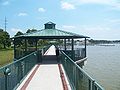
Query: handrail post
[93, 87]
[75, 77]
[89, 84]
[7, 72]
[5, 82]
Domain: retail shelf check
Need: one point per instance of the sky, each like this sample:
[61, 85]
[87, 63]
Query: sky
[98, 19]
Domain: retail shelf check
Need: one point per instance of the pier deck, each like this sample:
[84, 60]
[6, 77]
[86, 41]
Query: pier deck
[45, 76]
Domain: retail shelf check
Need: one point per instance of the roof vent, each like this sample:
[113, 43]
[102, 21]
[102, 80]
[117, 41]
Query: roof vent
[49, 25]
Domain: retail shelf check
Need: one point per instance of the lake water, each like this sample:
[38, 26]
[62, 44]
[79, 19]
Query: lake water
[103, 64]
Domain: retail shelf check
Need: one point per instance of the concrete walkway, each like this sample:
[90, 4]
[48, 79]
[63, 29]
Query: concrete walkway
[51, 51]
[47, 75]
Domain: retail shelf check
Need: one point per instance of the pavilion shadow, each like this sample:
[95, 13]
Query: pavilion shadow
[49, 59]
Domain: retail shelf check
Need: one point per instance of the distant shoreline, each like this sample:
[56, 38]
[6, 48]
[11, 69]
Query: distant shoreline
[114, 44]
[106, 45]
[99, 45]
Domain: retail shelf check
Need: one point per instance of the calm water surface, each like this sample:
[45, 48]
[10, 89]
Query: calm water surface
[103, 65]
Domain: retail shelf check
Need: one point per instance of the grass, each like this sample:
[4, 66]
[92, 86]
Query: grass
[6, 56]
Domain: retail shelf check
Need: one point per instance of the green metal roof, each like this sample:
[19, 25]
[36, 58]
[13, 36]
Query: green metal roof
[51, 33]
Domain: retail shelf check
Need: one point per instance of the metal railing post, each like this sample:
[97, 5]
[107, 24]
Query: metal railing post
[89, 84]
[93, 86]
[6, 73]
[75, 77]
[5, 82]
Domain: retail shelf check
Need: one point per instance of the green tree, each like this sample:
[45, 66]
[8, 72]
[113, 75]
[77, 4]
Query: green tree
[4, 39]
[31, 30]
[43, 42]
[1, 37]
[31, 41]
[18, 41]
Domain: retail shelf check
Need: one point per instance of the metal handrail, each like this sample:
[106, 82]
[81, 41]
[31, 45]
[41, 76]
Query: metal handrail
[16, 71]
[17, 60]
[77, 65]
[75, 75]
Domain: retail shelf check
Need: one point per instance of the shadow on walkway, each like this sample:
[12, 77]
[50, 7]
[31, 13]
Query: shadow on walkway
[49, 59]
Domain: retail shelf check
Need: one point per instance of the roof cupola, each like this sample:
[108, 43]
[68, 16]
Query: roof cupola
[49, 25]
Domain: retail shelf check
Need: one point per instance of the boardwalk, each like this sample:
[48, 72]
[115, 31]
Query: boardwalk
[45, 76]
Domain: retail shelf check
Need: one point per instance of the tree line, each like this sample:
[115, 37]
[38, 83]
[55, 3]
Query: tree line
[5, 40]
[103, 41]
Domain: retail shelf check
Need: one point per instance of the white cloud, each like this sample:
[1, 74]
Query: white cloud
[97, 1]
[98, 32]
[114, 21]
[93, 1]
[15, 30]
[115, 4]
[68, 27]
[22, 14]
[94, 28]
[41, 10]
[5, 3]
[94, 31]
[67, 6]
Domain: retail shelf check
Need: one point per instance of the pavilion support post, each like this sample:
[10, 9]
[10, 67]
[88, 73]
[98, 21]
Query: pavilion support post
[73, 56]
[85, 47]
[36, 41]
[72, 44]
[14, 48]
[65, 44]
[25, 46]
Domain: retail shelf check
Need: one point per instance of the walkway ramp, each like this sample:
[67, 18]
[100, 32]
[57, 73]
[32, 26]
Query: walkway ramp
[46, 76]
